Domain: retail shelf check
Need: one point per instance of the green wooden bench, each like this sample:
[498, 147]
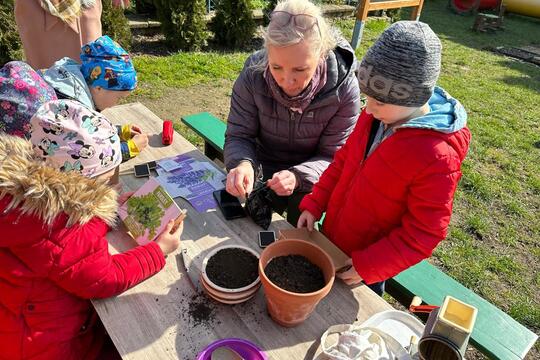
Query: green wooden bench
[211, 129]
[495, 333]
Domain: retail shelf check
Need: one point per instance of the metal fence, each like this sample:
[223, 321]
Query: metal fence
[210, 5]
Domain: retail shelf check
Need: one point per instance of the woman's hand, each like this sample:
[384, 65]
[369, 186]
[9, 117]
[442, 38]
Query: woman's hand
[283, 183]
[169, 239]
[240, 179]
[306, 219]
[350, 276]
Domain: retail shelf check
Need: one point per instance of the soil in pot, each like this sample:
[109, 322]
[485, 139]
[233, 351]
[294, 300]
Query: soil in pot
[295, 273]
[232, 268]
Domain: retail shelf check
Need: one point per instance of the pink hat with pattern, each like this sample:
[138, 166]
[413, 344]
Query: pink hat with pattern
[72, 137]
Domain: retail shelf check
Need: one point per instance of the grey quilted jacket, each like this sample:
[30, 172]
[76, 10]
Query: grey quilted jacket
[263, 131]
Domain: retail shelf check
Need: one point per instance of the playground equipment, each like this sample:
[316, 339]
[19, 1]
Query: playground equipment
[465, 7]
[492, 22]
[523, 7]
[364, 6]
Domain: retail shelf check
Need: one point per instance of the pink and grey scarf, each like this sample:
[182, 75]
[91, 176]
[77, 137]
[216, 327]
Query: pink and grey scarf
[301, 101]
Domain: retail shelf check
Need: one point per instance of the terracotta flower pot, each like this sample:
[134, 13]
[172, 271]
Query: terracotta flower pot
[289, 308]
[225, 295]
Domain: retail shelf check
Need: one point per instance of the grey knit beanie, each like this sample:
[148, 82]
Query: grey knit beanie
[403, 65]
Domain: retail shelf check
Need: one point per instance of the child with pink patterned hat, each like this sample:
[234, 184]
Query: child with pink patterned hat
[54, 217]
[72, 137]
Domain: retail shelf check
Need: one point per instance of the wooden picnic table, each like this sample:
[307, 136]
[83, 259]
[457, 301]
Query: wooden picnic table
[158, 318]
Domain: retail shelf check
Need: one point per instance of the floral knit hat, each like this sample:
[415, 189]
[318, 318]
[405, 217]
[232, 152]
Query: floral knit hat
[22, 92]
[72, 137]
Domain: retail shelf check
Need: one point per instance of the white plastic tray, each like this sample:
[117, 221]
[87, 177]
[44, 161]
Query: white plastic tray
[398, 324]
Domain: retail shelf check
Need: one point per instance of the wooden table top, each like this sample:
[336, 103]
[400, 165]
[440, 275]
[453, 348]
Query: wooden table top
[161, 319]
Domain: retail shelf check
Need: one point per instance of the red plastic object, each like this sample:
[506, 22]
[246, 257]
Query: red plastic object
[417, 307]
[422, 308]
[167, 134]
[464, 7]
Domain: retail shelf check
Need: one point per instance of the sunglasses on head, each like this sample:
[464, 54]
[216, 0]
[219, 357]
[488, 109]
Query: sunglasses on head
[302, 22]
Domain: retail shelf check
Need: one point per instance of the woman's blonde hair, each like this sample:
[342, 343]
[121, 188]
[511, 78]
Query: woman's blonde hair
[321, 37]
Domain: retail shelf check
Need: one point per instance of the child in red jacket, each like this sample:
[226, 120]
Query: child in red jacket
[389, 190]
[53, 219]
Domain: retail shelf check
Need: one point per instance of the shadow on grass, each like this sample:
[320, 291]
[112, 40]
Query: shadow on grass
[518, 30]
[157, 45]
[530, 81]
[255, 44]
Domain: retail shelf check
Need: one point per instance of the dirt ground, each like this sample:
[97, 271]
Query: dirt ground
[213, 98]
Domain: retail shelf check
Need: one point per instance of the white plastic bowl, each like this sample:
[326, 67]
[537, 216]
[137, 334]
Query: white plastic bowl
[222, 289]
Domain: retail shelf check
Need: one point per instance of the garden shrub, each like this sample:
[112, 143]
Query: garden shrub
[270, 6]
[233, 24]
[10, 43]
[183, 23]
[115, 24]
[394, 14]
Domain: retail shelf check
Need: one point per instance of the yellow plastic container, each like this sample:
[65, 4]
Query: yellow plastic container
[447, 331]
[455, 321]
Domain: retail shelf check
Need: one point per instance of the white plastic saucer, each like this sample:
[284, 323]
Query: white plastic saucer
[398, 324]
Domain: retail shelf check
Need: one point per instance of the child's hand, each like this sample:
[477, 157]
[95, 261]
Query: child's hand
[350, 276]
[124, 197]
[135, 130]
[170, 241]
[141, 141]
[306, 219]
[283, 183]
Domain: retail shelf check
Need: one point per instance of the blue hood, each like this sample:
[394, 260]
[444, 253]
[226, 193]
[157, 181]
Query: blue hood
[446, 115]
[66, 78]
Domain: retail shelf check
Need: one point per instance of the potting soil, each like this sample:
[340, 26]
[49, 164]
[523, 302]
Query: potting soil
[295, 273]
[232, 268]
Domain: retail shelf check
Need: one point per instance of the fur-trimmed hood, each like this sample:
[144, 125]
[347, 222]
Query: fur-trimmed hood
[37, 189]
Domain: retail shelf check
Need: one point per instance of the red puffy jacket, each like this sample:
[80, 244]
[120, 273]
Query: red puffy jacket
[389, 211]
[54, 257]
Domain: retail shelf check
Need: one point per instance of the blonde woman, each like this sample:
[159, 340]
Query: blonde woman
[53, 29]
[293, 105]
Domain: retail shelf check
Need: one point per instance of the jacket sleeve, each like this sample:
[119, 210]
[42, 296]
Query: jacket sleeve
[423, 226]
[86, 268]
[333, 137]
[317, 201]
[242, 124]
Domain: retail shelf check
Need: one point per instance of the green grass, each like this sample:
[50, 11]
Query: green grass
[185, 69]
[493, 245]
